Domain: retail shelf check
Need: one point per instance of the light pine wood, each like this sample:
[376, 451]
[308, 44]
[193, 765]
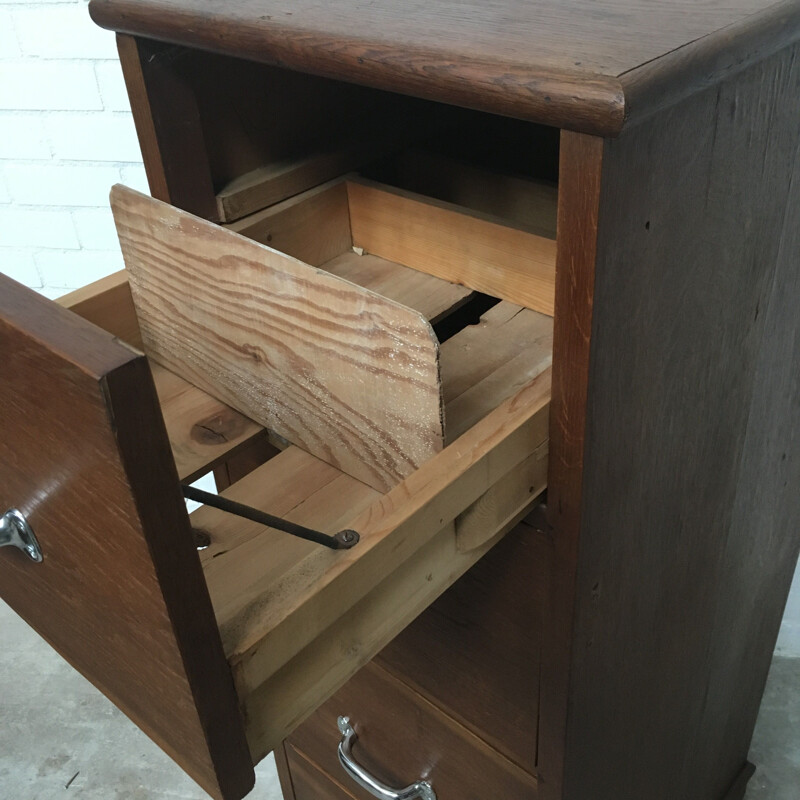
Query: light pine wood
[451, 243]
[500, 508]
[314, 227]
[484, 364]
[433, 297]
[109, 305]
[202, 431]
[527, 203]
[313, 593]
[355, 381]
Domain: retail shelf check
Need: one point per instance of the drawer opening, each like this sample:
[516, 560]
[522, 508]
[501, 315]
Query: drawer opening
[251, 135]
[297, 620]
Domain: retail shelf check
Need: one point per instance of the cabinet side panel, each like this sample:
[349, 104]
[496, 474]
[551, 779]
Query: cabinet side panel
[692, 458]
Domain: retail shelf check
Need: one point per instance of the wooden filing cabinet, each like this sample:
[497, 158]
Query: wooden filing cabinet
[615, 646]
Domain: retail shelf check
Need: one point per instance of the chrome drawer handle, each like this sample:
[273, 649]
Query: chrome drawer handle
[15, 532]
[421, 789]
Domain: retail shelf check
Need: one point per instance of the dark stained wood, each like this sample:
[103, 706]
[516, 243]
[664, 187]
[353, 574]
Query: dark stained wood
[284, 770]
[403, 738]
[579, 187]
[688, 534]
[739, 786]
[560, 63]
[168, 125]
[310, 781]
[475, 652]
[120, 594]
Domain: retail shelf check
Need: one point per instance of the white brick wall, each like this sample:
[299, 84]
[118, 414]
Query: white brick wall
[66, 135]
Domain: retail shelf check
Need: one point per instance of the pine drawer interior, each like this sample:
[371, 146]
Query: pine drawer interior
[296, 619]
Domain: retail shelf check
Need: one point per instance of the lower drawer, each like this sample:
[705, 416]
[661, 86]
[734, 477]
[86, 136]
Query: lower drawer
[403, 738]
[308, 782]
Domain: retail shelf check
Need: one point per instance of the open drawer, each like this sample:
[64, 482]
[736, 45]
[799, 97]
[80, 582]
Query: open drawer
[218, 655]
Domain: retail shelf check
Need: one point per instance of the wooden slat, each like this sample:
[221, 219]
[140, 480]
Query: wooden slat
[203, 432]
[108, 304]
[313, 227]
[355, 381]
[484, 364]
[459, 246]
[433, 297]
[315, 591]
[272, 183]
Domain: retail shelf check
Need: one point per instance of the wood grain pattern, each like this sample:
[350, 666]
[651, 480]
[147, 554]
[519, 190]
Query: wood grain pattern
[434, 298]
[203, 432]
[402, 738]
[560, 63]
[108, 304]
[484, 364]
[578, 201]
[129, 610]
[315, 591]
[475, 652]
[703, 524]
[356, 382]
[454, 244]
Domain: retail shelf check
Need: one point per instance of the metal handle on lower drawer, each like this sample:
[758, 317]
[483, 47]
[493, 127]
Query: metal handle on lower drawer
[15, 532]
[421, 789]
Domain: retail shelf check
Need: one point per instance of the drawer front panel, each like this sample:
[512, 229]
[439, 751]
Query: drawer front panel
[85, 458]
[402, 738]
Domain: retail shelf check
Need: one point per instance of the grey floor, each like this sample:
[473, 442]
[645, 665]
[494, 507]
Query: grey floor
[60, 738]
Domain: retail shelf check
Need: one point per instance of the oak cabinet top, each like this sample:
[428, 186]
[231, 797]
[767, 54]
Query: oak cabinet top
[588, 65]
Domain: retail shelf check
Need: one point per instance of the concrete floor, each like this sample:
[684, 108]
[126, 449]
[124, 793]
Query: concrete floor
[60, 738]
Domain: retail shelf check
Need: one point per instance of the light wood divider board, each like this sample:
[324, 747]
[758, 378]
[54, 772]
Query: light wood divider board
[338, 370]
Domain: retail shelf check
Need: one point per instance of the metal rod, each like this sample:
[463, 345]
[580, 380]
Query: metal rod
[343, 540]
